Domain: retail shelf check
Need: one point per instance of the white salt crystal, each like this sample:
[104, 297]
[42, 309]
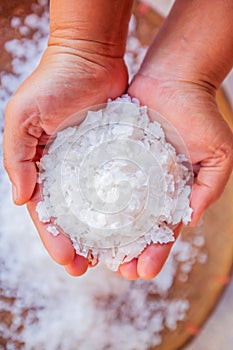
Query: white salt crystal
[15, 22]
[183, 277]
[178, 307]
[32, 21]
[135, 51]
[202, 258]
[12, 45]
[24, 30]
[132, 25]
[52, 229]
[42, 212]
[186, 267]
[199, 241]
[10, 82]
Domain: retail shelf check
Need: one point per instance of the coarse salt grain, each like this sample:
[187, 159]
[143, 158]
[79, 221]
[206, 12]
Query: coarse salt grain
[15, 22]
[52, 229]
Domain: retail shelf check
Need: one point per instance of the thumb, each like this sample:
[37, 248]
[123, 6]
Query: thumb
[23, 176]
[210, 182]
[20, 140]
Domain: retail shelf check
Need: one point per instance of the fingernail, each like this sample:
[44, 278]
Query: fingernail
[14, 193]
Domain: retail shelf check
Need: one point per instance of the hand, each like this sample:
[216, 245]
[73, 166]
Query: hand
[191, 107]
[189, 58]
[66, 81]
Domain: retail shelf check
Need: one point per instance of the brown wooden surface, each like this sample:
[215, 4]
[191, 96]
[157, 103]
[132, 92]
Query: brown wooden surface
[206, 281]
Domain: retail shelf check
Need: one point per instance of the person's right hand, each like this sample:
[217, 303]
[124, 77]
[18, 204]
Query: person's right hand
[65, 82]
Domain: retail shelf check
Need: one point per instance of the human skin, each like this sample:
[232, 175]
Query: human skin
[180, 74]
[187, 62]
[82, 66]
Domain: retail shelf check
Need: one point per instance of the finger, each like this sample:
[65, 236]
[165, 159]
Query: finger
[59, 247]
[210, 183]
[129, 270]
[152, 259]
[78, 266]
[21, 135]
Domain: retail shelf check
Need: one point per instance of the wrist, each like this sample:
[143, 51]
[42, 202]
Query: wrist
[175, 71]
[97, 26]
[68, 64]
[84, 61]
[70, 42]
[192, 44]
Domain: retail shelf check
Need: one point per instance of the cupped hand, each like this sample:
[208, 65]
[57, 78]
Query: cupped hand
[190, 106]
[65, 82]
